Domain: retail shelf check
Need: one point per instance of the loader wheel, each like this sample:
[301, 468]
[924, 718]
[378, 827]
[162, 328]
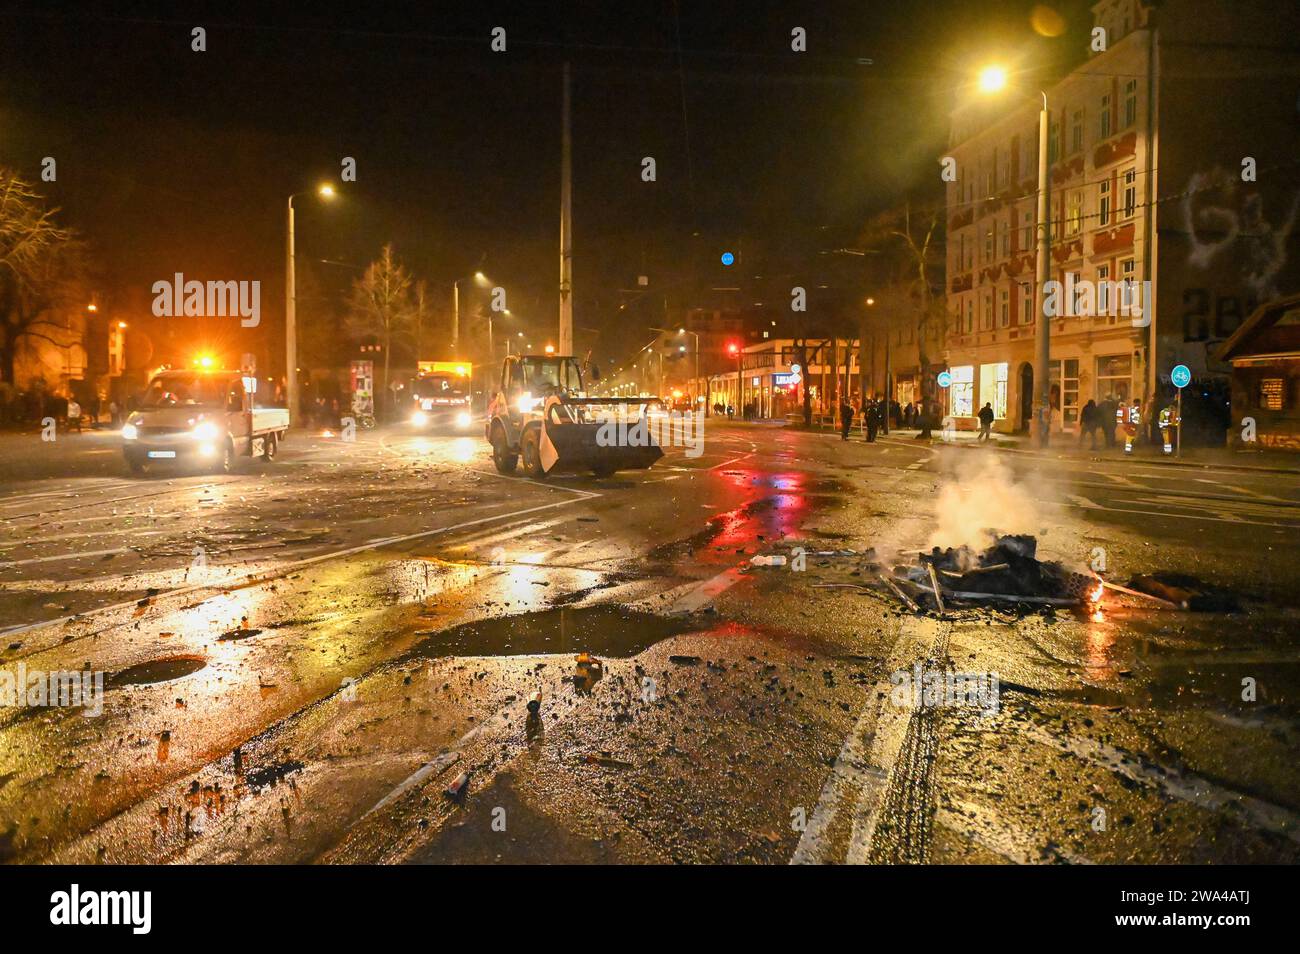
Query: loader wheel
[530, 447]
[504, 458]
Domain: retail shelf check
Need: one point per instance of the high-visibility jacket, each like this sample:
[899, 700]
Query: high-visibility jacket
[1131, 415]
[1169, 417]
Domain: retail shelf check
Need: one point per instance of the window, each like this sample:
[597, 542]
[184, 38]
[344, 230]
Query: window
[986, 311]
[993, 388]
[1028, 232]
[1128, 180]
[988, 246]
[1004, 308]
[1103, 289]
[1127, 274]
[1065, 389]
[1272, 394]
[1075, 291]
[1114, 377]
[970, 315]
[1076, 131]
[1006, 235]
[1026, 304]
[1104, 120]
[1103, 203]
[1130, 103]
[962, 391]
[1074, 212]
[1053, 142]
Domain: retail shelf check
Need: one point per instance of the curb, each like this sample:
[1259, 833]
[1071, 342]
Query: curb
[1161, 461]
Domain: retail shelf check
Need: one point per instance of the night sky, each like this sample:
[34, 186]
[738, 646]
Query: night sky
[171, 160]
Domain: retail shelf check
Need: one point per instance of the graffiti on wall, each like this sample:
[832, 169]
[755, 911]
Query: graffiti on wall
[1231, 229]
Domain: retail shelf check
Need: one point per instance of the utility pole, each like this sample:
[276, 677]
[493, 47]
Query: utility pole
[1044, 351]
[566, 228]
[290, 326]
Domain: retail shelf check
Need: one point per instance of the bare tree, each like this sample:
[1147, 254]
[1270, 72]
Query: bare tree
[382, 304]
[42, 271]
[911, 265]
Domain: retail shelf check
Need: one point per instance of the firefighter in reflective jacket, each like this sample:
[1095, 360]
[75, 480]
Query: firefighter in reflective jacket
[1169, 419]
[1129, 419]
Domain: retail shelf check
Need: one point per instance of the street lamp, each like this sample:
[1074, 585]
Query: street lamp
[479, 279]
[695, 387]
[991, 80]
[290, 313]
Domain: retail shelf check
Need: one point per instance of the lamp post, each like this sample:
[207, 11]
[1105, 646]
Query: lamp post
[696, 385]
[479, 279]
[290, 310]
[991, 80]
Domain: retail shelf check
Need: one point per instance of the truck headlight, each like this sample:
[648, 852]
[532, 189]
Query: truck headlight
[463, 419]
[130, 432]
[419, 419]
[206, 431]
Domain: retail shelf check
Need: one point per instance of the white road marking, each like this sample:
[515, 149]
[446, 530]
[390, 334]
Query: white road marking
[1186, 786]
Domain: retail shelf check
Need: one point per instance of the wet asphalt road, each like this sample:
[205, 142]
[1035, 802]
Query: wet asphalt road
[301, 657]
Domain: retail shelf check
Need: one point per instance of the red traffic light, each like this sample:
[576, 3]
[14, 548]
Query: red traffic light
[733, 348]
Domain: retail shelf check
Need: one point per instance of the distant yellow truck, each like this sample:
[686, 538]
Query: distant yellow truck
[440, 396]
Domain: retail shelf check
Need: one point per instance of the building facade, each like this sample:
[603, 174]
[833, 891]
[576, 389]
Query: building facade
[1152, 212]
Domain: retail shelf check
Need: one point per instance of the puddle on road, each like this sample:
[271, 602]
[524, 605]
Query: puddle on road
[156, 671]
[601, 630]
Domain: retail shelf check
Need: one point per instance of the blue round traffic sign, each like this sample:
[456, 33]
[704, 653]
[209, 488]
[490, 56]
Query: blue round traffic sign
[944, 379]
[1181, 375]
[727, 258]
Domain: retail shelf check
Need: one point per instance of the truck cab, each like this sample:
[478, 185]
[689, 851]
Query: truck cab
[440, 396]
[203, 417]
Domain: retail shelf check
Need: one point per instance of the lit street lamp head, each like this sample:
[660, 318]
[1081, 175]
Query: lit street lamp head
[326, 192]
[992, 79]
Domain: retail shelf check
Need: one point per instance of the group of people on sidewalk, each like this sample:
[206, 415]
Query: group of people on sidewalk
[1111, 416]
[1108, 418]
[875, 411]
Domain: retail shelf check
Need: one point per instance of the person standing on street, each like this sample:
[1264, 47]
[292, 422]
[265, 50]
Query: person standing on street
[1130, 418]
[1169, 420]
[1107, 418]
[1089, 422]
[873, 413]
[986, 421]
[846, 418]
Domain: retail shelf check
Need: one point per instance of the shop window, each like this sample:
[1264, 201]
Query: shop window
[962, 391]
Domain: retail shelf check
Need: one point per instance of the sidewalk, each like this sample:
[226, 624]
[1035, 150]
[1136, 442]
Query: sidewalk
[1067, 446]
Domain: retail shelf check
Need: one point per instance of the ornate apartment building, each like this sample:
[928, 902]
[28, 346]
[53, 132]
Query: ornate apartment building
[1150, 186]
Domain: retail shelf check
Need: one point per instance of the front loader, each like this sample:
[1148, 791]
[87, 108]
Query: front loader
[542, 415]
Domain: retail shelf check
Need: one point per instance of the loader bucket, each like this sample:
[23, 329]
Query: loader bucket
[573, 440]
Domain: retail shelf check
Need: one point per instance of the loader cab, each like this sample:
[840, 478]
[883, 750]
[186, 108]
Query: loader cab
[527, 380]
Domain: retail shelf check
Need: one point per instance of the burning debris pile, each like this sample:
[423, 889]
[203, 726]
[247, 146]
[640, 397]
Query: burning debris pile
[1008, 571]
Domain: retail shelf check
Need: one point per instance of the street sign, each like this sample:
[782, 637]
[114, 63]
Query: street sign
[944, 379]
[1181, 375]
[795, 369]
